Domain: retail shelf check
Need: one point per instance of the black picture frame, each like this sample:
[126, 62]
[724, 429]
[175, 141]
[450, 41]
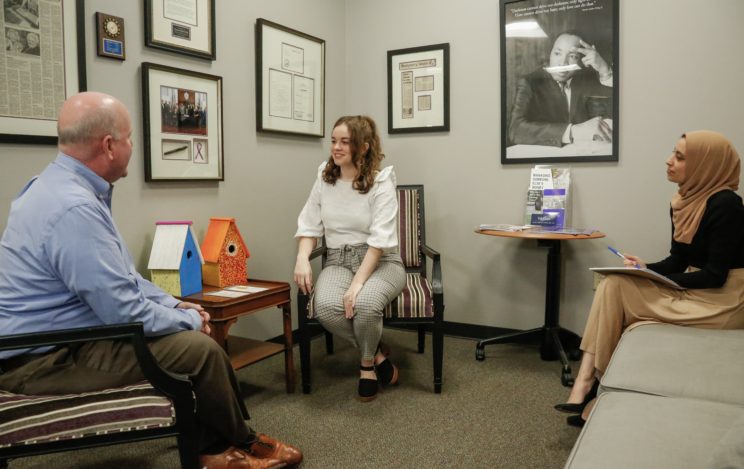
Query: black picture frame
[418, 89]
[535, 112]
[182, 124]
[184, 31]
[290, 81]
[43, 131]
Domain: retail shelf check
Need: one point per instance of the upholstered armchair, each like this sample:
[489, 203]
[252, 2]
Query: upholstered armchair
[421, 304]
[162, 406]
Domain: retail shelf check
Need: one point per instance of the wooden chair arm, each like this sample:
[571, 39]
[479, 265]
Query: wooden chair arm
[172, 385]
[436, 269]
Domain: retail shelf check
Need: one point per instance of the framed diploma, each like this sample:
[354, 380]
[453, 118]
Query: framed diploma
[182, 116]
[42, 64]
[290, 81]
[559, 81]
[418, 89]
[182, 26]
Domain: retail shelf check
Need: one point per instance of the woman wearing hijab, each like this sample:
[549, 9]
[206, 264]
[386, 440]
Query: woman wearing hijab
[706, 257]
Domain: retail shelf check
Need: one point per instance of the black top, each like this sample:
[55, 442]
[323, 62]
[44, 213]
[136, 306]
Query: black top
[718, 245]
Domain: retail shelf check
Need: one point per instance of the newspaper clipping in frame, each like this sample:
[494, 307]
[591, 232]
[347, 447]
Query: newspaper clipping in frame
[32, 67]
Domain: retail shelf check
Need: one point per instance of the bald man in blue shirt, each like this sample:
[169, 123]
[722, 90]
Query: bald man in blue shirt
[64, 264]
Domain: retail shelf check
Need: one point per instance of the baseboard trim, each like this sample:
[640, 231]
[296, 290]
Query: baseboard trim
[451, 329]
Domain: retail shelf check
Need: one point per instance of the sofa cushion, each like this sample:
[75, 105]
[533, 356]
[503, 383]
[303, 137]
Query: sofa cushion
[677, 361]
[641, 431]
[729, 452]
[34, 419]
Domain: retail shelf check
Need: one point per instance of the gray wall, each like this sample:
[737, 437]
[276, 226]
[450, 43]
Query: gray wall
[680, 71]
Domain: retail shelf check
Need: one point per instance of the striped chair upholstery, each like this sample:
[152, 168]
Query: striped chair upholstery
[27, 420]
[162, 406]
[421, 304]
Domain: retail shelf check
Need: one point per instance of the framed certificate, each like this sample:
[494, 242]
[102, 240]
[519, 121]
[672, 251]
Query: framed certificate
[290, 81]
[182, 26]
[182, 115]
[418, 89]
[559, 81]
[42, 64]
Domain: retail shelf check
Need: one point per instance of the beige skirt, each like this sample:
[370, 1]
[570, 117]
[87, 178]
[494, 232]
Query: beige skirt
[624, 301]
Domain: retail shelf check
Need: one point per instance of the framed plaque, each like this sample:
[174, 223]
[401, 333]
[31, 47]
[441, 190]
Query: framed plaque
[43, 63]
[182, 26]
[110, 36]
[290, 81]
[559, 81]
[418, 89]
[182, 115]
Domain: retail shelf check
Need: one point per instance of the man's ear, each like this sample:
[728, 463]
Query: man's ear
[107, 143]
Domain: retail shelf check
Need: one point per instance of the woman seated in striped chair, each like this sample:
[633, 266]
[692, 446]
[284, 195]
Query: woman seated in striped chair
[353, 204]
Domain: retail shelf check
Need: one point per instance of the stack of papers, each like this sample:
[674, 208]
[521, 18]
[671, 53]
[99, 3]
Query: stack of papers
[235, 291]
[505, 227]
[635, 271]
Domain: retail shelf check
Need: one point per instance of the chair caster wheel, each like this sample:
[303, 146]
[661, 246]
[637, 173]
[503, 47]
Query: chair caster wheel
[480, 354]
[567, 379]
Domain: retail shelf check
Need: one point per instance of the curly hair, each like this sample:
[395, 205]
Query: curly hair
[362, 129]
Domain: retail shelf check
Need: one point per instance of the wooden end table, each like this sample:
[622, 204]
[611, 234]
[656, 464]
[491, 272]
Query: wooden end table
[225, 312]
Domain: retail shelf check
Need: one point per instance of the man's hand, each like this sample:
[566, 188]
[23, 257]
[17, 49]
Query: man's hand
[199, 309]
[595, 129]
[303, 275]
[593, 59]
[350, 299]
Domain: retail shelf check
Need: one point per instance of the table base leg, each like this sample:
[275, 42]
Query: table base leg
[551, 346]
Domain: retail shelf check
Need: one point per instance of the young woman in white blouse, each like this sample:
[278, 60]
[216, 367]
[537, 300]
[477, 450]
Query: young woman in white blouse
[353, 204]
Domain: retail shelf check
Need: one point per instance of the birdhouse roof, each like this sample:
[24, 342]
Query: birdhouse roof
[168, 245]
[215, 238]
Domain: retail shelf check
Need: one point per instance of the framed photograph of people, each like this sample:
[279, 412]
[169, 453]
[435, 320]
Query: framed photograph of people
[182, 116]
[290, 81]
[418, 89]
[559, 80]
[42, 64]
[182, 26]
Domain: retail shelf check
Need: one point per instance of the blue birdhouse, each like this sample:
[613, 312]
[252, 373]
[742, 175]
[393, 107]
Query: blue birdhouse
[175, 260]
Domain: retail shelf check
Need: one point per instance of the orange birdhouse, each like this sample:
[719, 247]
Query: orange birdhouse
[225, 254]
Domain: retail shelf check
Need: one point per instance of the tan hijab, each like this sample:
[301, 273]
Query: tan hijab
[712, 165]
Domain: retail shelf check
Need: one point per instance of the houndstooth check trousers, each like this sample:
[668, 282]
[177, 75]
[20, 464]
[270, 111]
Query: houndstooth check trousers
[364, 330]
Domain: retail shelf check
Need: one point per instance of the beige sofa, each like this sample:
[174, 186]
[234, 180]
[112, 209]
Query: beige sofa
[672, 397]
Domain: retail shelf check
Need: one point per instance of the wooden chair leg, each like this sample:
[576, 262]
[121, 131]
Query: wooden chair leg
[329, 342]
[437, 335]
[304, 333]
[421, 339]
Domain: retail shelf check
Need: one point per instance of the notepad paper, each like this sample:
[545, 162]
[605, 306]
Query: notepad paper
[645, 273]
[246, 288]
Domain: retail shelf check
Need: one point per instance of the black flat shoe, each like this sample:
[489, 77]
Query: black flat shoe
[579, 408]
[575, 421]
[387, 373]
[367, 387]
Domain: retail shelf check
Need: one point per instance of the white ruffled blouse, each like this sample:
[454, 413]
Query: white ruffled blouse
[345, 216]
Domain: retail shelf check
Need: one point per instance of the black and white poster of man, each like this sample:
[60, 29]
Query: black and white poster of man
[559, 80]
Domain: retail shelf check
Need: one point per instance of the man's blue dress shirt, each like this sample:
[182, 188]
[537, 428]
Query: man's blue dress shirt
[63, 263]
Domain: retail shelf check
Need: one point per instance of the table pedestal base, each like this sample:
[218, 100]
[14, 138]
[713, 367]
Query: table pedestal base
[551, 346]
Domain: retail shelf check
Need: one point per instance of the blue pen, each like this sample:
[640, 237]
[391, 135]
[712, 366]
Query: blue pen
[619, 254]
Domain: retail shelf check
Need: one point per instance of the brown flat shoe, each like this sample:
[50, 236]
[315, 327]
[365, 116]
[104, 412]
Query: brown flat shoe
[236, 458]
[267, 447]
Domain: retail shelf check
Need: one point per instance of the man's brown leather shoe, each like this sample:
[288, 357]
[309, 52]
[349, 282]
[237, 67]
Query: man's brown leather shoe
[267, 447]
[235, 458]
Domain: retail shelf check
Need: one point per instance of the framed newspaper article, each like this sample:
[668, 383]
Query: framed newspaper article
[290, 81]
[559, 80]
[418, 89]
[182, 116]
[42, 64]
[182, 26]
